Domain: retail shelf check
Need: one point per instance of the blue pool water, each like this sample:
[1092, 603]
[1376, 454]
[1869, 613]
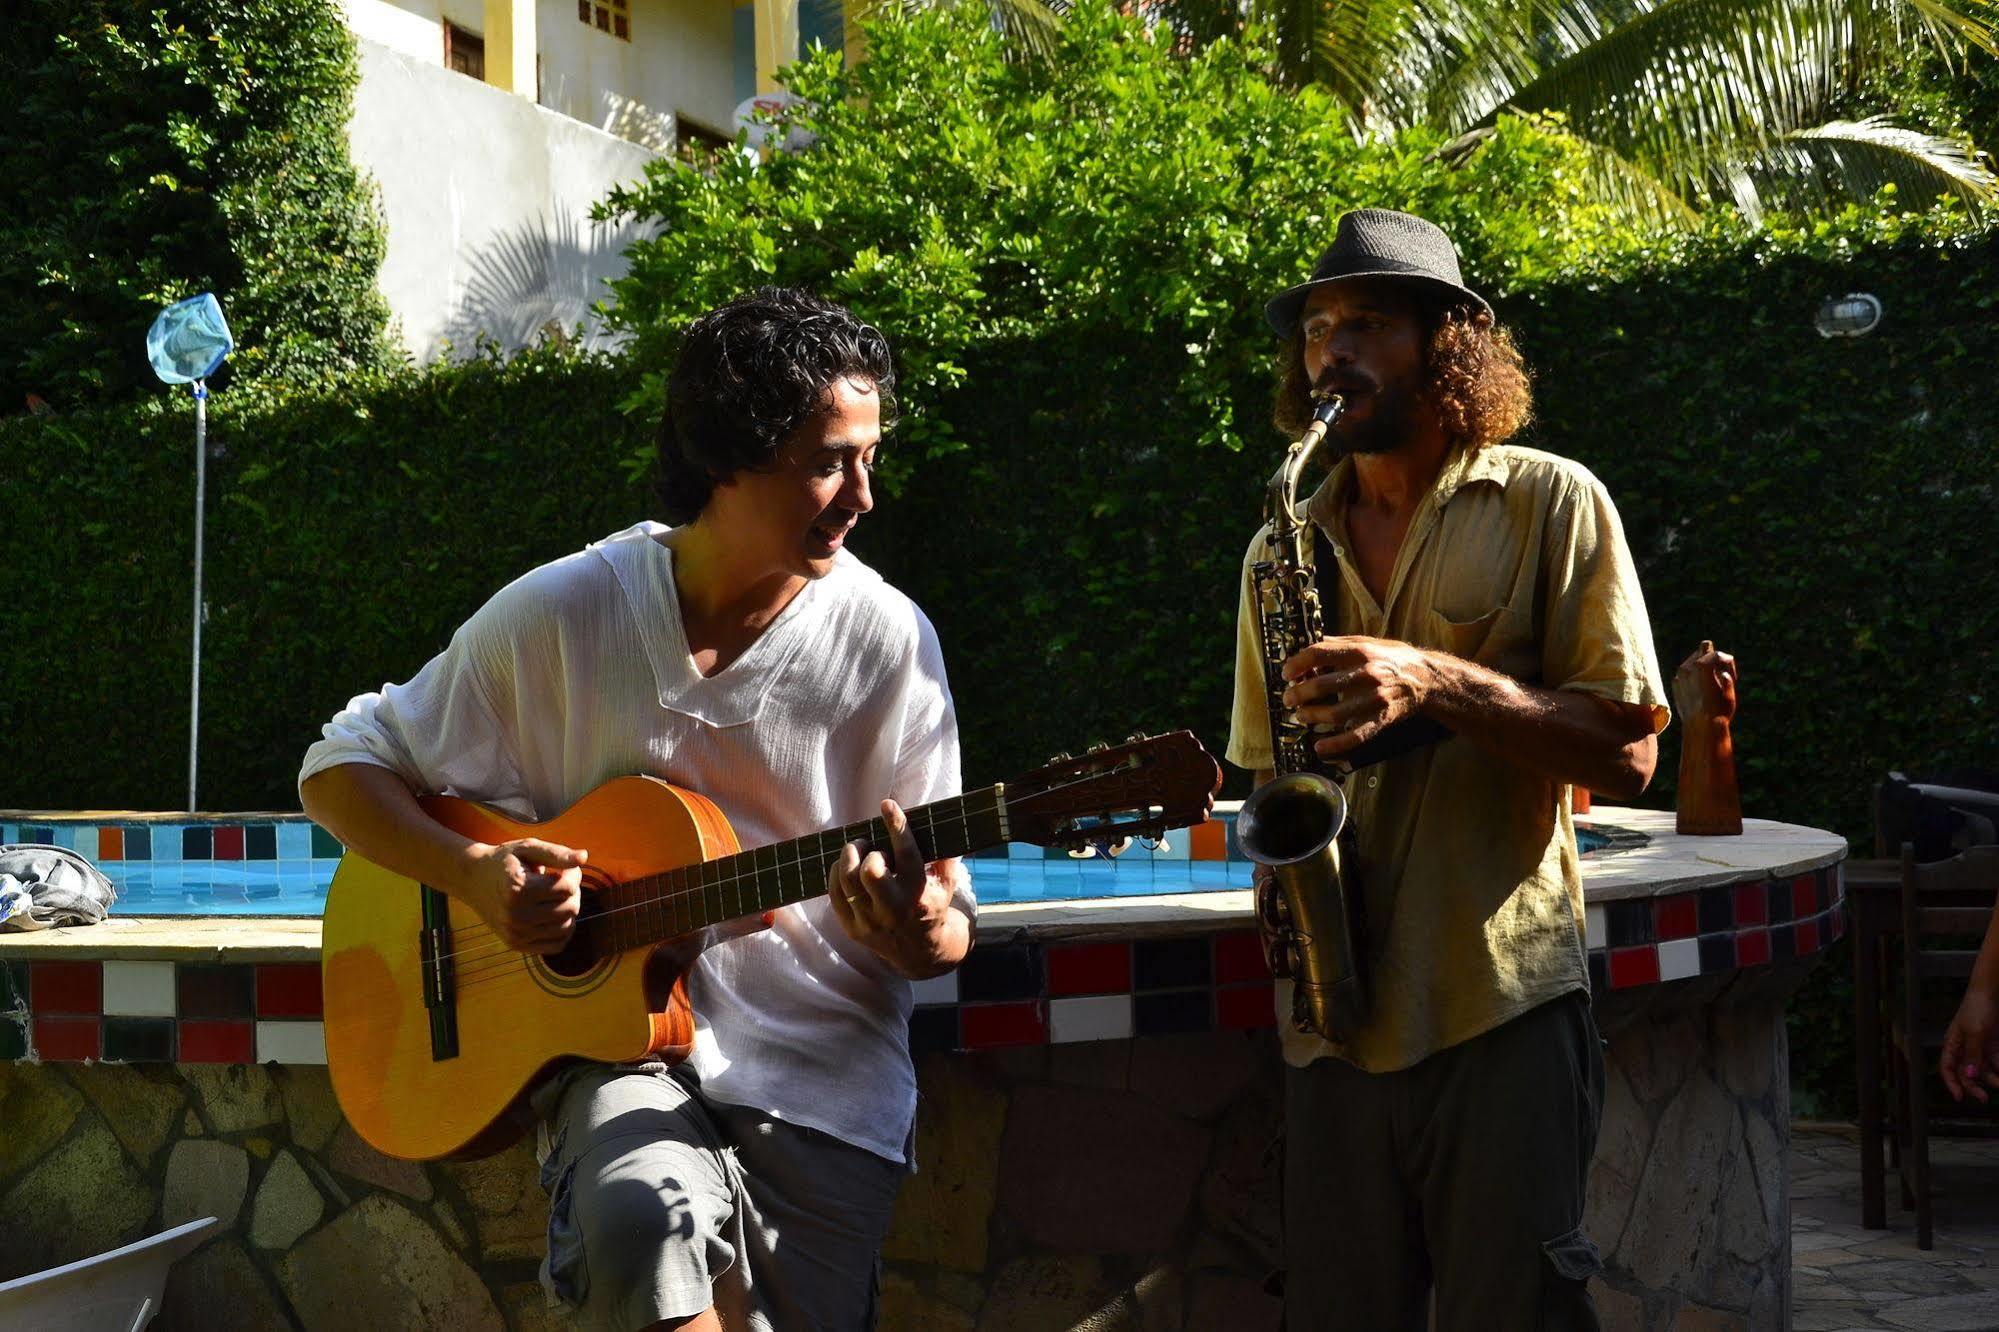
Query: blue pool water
[281, 867]
[274, 865]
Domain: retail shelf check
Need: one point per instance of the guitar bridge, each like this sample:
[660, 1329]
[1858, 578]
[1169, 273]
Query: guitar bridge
[439, 987]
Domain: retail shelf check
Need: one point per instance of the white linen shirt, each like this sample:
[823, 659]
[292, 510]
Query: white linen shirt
[579, 672]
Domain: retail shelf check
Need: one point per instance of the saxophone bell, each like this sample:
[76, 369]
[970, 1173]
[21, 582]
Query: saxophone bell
[1292, 825]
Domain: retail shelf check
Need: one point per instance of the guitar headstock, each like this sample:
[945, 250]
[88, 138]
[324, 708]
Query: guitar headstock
[1137, 789]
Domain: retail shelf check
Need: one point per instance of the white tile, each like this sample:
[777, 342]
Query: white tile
[1593, 931]
[291, 1042]
[1103, 1017]
[1679, 959]
[139, 989]
[938, 989]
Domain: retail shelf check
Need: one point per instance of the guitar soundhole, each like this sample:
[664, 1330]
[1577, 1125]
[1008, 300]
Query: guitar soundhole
[582, 952]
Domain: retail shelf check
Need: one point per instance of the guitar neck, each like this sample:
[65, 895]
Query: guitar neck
[658, 907]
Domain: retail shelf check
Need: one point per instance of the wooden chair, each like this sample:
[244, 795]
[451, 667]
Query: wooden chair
[1944, 905]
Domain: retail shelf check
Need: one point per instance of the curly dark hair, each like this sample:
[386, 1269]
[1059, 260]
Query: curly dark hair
[747, 376]
[1477, 381]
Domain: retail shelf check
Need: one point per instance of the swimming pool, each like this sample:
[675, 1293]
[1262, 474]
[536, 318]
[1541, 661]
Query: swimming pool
[280, 864]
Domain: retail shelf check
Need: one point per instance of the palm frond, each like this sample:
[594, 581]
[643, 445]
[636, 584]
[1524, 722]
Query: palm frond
[1853, 159]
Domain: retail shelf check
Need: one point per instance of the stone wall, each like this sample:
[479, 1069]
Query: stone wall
[1124, 1184]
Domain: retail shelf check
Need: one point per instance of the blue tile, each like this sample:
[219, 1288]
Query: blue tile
[933, 1030]
[1717, 953]
[1009, 971]
[65, 836]
[1022, 851]
[295, 841]
[1173, 1013]
[1160, 964]
[197, 843]
[138, 843]
[260, 842]
[324, 844]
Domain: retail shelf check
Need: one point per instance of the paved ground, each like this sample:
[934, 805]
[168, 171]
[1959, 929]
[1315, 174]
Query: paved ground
[1846, 1278]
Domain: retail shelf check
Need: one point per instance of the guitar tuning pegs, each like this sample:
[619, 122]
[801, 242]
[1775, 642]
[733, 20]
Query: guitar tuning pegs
[1063, 757]
[1098, 747]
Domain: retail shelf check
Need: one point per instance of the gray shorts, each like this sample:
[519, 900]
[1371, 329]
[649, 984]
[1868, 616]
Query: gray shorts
[662, 1202]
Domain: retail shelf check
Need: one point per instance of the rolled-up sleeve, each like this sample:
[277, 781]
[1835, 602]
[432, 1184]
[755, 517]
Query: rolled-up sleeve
[927, 763]
[1249, 722]
[440, 730]
[1598, 639]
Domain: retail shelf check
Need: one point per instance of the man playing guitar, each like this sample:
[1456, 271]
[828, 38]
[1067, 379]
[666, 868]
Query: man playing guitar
[745, 654]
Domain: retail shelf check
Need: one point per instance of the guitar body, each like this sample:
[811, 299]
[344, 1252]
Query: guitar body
[417, 1089]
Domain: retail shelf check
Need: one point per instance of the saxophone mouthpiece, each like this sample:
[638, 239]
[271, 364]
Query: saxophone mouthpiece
[1327, 405]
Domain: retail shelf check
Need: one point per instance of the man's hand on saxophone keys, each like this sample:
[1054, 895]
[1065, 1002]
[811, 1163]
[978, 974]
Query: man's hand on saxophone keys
[1350, 689]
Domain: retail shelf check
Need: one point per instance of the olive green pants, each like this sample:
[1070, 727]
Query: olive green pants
[1463, 1176]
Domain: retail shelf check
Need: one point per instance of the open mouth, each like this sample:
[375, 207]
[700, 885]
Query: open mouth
[831, 536]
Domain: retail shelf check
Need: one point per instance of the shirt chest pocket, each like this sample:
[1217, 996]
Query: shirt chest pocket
[1489, 620]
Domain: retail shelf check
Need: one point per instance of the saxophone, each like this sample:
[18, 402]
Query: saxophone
[1310, 922]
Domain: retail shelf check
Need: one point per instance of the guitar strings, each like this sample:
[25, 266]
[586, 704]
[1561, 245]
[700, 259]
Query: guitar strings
[471, 971]
[471, 957]
[507, 956]
[479, 962]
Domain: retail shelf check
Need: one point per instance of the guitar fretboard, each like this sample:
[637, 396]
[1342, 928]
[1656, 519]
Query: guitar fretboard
[658, 907]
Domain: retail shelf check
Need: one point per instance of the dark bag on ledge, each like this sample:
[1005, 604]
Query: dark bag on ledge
[41, 886]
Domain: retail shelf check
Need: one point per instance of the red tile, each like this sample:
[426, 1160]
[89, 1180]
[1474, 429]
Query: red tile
[1246, 1007]
[1634, 966]
[1804, 896]
[66, 987]
[1752, 905]
[218, 1042]
[288, 990]
[989, 1026]
[1676, 917]
[1752, 947]
[67, 1038]
[1239, 957]
[1208, 841]
[1102, 968]
[229, 843]
[1808, 936]
[110, 843]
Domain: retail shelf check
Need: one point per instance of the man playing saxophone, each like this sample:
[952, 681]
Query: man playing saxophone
[1483, 592]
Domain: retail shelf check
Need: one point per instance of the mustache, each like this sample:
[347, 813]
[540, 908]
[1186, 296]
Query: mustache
[1336, 381]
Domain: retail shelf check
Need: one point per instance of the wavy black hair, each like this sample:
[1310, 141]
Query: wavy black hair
[1477, 380]
[747, 376]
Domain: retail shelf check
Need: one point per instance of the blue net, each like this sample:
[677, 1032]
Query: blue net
[189, 340]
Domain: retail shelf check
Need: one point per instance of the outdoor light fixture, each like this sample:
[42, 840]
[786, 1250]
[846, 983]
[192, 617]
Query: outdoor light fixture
[1847, 316]
[187, 344]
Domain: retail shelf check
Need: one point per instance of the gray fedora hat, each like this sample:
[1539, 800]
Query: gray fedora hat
[1378, 243]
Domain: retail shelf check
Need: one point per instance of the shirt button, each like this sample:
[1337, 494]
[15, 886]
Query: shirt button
[1373, 782]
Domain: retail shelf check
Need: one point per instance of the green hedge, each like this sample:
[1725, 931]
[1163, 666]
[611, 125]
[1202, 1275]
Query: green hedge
[163, 149]
[347, 533]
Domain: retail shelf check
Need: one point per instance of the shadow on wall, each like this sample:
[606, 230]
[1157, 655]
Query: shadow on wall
[542, 280]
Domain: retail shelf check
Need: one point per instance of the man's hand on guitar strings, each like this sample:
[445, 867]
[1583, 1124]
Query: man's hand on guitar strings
[897, 910]
[529, 891]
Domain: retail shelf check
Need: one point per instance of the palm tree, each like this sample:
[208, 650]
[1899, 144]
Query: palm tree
[1682, 104]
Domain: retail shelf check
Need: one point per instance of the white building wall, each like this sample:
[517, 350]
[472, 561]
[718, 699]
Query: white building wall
[680, 61]
[413, 27]
[486, 198]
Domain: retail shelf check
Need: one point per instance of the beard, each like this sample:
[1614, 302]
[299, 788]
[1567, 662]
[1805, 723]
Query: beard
[1391, 415]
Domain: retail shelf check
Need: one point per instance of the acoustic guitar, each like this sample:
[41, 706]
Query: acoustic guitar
[437, 1031]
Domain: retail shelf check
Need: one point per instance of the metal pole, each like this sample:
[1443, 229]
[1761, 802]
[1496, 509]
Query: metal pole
[200, 494]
